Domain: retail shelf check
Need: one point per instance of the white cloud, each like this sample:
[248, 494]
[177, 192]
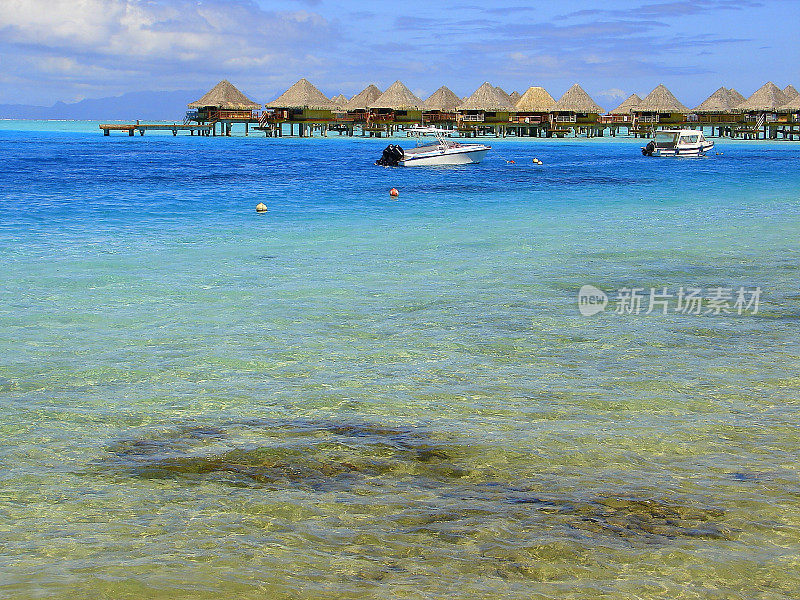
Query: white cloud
[613, 93]
[168, 43]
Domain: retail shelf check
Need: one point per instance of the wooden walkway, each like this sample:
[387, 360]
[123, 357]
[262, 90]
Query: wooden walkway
[131, 128]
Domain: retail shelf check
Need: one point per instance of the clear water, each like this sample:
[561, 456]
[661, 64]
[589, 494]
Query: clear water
[355, 397]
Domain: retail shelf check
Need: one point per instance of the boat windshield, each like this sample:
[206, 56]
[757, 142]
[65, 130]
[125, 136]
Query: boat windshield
[665, 139]
[690, 139]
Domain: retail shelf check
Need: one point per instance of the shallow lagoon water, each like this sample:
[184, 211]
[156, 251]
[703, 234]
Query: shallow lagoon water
[355, 397]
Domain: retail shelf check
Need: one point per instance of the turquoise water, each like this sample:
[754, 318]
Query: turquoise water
[355, 397]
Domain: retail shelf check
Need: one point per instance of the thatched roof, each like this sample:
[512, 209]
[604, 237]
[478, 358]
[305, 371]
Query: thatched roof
[789, 92]
[302, 95]
[718, 102]
[364, 98]
[575, 99]
[397, 97]
[504, 94]
[535, 99]
[792, 105]
[661, 100]
[225, 95]
[487, 98]
[443, 100]
[627, 106]
[767, 98]
[339, 100]
[736, 97]
[515, 96]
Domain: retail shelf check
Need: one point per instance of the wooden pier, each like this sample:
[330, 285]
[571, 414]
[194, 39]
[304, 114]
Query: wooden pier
[131, 128]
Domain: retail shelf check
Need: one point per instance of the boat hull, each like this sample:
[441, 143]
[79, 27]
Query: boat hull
[463, 156]
[688, 151]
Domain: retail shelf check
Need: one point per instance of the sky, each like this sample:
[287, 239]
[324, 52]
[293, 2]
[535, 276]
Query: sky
[68, 50]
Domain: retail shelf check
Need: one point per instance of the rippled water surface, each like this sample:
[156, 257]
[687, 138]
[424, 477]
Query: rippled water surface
[355, 397]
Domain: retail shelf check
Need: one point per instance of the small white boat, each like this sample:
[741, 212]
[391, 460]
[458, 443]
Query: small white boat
[440, 152]
[416, 130]
[678, 142]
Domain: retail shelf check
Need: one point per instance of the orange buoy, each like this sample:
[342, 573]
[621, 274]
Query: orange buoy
[261, 207]
[394, 193]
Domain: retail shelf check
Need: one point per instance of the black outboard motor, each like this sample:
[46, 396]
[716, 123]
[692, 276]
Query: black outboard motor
[391, 157]
[649, 149]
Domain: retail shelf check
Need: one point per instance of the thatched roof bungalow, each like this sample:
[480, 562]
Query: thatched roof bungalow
[718, 102]
[789, 92]
[302, 102]
[398, 104]
[486, 105]
[515, 96]
[576, 106]
[736, 97]
[791, 109]
[339, 100]
[224, 101]
[441, 105]
[624, 112]
[766, 99]
[660, 106]
[719, 107]
[505, 94]
[627, 105]
[357, 107]
[534, 106]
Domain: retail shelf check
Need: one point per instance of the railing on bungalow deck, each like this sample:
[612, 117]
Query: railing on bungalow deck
[222, 115]
[566, 118]
[614, 119]
[479, 118]
[530, 119]
[440, 117]
[649, 118]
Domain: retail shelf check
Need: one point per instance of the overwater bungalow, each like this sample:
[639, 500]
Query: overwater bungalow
[533, 111]
[621, 116]
[577, 111]
[440, 106]
[759, 110]
[660, 108]
[486, 109]
[718, 110]
[303, 104]
[358, 106]
[397, 105]
[623, 113]
[791, 110]
[789, 114]
[225, 105]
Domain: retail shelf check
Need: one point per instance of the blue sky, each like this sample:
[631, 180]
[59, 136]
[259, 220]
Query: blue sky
[67, 50]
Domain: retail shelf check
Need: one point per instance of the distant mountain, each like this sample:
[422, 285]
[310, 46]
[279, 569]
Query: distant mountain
[146, 106]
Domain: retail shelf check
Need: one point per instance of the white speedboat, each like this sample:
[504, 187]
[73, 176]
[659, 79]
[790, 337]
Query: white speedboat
[678, 142]
[440, 152]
